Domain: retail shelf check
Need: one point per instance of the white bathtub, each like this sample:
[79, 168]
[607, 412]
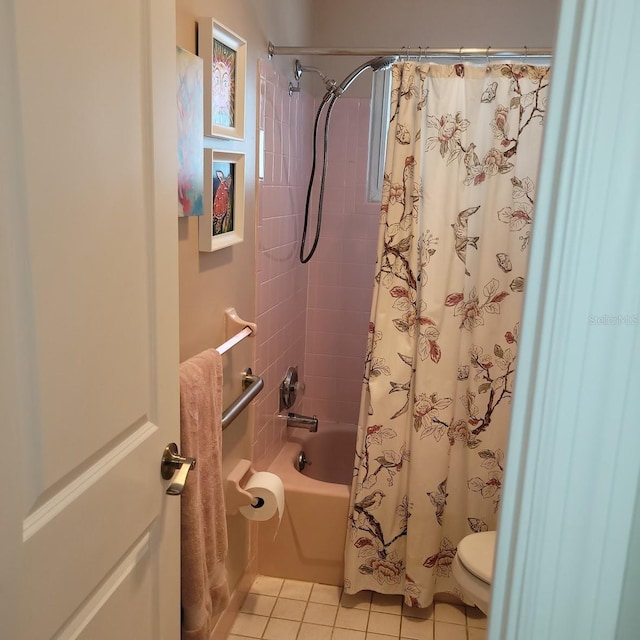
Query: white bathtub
[309, 544]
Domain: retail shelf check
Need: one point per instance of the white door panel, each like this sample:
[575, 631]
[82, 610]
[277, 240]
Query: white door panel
[122, 606]
[88, 195]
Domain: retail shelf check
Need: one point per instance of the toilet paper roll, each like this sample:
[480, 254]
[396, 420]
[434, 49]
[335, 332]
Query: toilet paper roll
[268, 492]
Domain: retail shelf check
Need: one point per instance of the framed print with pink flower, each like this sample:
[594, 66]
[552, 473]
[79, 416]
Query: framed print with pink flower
[222, 224]
[225, 61]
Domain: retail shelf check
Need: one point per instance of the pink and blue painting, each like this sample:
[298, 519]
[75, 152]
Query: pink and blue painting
[190, 101]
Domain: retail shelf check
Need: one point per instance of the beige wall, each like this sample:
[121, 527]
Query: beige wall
[422, 23]
[210, 282]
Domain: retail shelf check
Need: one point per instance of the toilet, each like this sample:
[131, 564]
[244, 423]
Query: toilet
[473, 568]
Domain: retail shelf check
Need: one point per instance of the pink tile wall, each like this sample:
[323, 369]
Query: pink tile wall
[281, 306]
[341, 272]
[315, 315]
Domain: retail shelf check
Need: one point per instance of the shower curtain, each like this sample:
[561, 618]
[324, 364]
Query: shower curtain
[457, 208]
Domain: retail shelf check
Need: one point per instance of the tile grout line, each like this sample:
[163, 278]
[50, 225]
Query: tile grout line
[338, 606]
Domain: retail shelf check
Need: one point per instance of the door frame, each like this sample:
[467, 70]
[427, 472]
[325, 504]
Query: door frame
[573, 464]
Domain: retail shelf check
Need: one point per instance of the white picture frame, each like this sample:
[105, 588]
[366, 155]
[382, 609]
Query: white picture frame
[222, 223]
[225, 71]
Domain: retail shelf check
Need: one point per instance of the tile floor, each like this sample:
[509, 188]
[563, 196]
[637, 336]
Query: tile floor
[277, 609]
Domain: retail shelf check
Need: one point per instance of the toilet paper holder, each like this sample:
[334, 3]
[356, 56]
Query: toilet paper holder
[235, 495]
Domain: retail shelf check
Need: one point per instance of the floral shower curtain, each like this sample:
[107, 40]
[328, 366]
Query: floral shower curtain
[457, 208]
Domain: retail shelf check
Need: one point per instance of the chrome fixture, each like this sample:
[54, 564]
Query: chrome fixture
[251, 387]
[172, 462]
[289, 389]
[288, 393]
[301, 462]
[329, 83]
[334, 91]
[412, 52]
[302, 422]
[376, 64]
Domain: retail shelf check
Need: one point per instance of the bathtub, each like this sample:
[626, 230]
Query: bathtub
[309, 544]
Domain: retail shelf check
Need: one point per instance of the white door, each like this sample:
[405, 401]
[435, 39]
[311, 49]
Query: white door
[88, 305]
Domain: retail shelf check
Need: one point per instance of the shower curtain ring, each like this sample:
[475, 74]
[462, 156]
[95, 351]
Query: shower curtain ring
[403, 53]
[460, 55]
[419, 54]
[526, 52]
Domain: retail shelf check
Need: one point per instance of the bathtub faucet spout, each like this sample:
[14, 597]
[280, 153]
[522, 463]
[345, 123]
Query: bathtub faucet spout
[302, 422]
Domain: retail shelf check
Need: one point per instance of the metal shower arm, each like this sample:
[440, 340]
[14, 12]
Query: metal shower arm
[330, 84]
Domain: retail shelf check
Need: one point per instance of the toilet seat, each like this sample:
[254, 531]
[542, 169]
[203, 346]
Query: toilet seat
[476, 553]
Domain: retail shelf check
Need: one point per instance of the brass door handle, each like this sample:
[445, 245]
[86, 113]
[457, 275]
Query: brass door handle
[172, 462]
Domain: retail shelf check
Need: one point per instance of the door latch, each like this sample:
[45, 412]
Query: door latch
[172, 462]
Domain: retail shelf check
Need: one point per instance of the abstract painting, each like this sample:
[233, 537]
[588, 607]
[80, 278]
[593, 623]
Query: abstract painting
[189, 96]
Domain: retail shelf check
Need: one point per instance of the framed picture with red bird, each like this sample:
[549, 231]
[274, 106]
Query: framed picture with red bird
[223, 221]
[225, 62]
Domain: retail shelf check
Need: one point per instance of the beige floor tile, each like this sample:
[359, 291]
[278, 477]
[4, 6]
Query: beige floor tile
[379, 636]
[347, 634]
[454, 613]
[386, 604]
[447, 631]
[477, 634]
[266, 585]
[417, 612]
[314, 632]
[325, 594]
[352, 619]
[246, 624]
[296, 590]
[239, 638]
[289, 609]
[360, 600]
[259, 604]
[317, 613]
[417, 628]
[475, 618]
[384, 623]
[428, 635]
[281, 630]
[425, 634]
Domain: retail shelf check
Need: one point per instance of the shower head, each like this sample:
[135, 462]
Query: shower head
[383, 62]
[375, 64]
[328, 102]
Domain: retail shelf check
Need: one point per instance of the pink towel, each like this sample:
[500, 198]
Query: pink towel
[204, 587]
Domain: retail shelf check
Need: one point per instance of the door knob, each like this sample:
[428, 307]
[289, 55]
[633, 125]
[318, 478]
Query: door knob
[172, 462]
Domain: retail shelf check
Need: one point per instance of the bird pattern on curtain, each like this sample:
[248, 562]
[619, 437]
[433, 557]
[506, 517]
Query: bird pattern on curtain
[457, 209]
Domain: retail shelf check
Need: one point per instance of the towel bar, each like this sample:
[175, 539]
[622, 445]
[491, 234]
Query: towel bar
[251, 387]
[231, 342]
[234, 321]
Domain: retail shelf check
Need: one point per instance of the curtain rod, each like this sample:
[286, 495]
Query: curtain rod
[413, 52]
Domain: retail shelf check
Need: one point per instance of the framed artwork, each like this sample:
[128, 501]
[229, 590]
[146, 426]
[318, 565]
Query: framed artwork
[223, 221]
[225, 59]
[189, 96]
